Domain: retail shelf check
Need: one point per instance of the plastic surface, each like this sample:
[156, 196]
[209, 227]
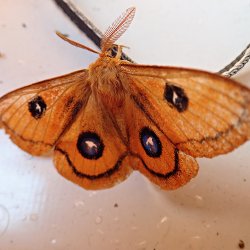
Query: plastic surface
[39, 209]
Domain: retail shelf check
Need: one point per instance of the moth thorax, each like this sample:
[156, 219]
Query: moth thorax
[111, 92]
[106, 83]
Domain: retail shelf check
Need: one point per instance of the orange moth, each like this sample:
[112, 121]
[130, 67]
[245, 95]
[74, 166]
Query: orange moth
[116, 116]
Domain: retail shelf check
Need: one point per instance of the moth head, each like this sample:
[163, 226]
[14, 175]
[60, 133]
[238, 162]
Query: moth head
[115, 51]
[107, 44]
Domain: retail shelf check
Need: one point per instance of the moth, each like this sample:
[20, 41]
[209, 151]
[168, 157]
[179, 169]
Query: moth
[116, 116]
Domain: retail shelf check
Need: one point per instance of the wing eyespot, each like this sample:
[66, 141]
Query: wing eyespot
[37, 107]
[150, 142]
[176, 96]
[90, 145]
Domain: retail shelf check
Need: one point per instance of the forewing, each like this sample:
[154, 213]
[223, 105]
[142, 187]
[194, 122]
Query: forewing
[202, 114]
[35, 116]
[91, 153]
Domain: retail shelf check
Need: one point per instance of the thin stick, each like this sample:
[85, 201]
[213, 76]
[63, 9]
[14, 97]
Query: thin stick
[83, 23]
[237, 64]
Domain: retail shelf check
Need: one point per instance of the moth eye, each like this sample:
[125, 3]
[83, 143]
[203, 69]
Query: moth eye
[37, 107]
[90, 145]
[112, 52]
[150, 142]
[176, 96]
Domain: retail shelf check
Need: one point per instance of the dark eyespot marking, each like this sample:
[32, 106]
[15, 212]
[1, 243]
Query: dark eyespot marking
[37, 107]
[150, 142]
[176, 96]
[90, 145]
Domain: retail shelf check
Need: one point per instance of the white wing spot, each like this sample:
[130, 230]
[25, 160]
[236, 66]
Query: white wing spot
[91, 145]
[175, 96]
[38, 108]
[150, 141]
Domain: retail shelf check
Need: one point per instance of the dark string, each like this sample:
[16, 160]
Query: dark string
[95, 35]
[84, 24]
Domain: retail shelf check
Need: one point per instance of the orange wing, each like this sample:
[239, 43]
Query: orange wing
[37, 115]
[92, 153]
[201, 113]
[159, 159]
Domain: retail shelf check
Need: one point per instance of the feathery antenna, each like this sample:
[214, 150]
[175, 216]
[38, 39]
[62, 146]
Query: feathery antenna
[117, 29]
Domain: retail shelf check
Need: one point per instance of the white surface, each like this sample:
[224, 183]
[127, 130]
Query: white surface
[39, 209]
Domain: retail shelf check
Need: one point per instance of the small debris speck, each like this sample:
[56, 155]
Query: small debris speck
[98, 220]
[53, 241]
[24, 25]
[241, 244]
[115, 205]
